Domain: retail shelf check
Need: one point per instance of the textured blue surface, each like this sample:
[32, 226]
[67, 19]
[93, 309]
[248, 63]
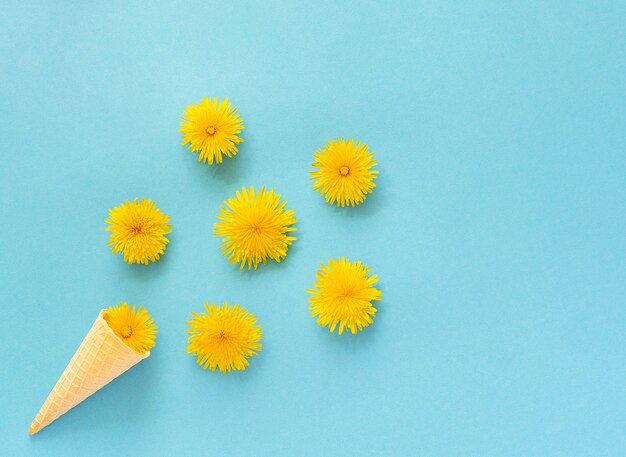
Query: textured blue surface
[497, 228]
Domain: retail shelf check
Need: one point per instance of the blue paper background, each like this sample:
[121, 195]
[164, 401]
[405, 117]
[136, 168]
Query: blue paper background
[497, 227]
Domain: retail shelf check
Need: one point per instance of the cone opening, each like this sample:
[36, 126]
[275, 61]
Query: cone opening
[106, 316]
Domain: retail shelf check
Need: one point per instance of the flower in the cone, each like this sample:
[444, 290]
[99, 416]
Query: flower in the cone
[224, 337]
[134, 326]
[255, 226]
[343, 296]
[211, 128]
[138, 231]
[343, 172]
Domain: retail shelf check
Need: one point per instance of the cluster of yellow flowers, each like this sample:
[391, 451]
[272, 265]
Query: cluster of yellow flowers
[254, 226]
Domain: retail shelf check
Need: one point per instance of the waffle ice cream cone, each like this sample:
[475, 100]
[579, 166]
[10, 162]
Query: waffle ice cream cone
[100, 358]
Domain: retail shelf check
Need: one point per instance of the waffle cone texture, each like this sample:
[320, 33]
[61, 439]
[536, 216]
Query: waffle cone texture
[100, 358]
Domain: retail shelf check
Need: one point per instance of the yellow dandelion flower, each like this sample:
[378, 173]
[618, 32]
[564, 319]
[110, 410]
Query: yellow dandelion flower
[224, 337]
[135, 327]
[138, 230]
[343, 295]
[343, 172]
[211, 128]
[255, 227]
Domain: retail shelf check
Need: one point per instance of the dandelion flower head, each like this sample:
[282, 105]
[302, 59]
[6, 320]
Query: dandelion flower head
[255, 226]
[135, 327]
[343, 294]
[138, 230]
[342, 172]
[211, 128]
[224, 337]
